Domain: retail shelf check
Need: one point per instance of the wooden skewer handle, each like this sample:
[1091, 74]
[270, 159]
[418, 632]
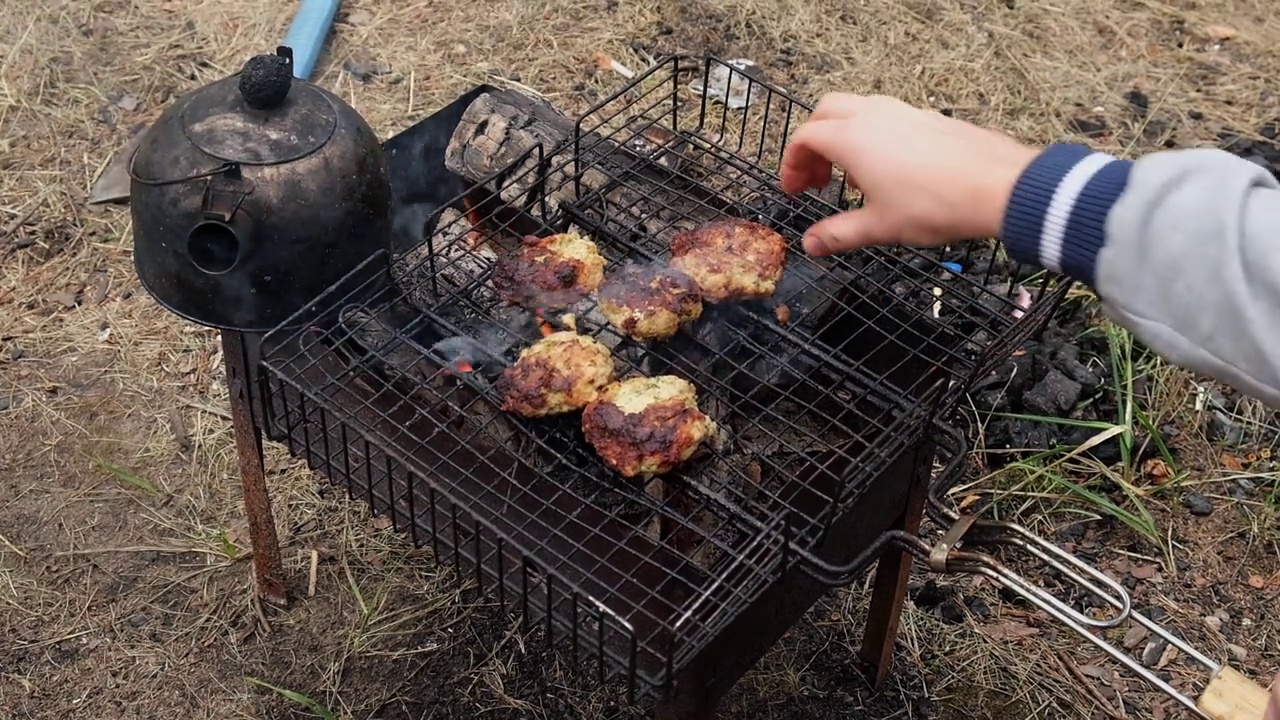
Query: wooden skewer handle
[1232, 696]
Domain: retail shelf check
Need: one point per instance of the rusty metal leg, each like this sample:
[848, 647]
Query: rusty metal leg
[890, 587]
[268, 569]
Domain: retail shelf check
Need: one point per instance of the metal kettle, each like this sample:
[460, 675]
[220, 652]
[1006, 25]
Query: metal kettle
[253, 195]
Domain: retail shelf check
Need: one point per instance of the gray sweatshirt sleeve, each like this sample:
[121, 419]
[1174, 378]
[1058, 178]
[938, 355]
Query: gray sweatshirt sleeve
[1182, 248]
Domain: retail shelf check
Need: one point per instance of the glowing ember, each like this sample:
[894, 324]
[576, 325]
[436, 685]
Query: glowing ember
[543, 325]
[473, 222]
[463, 366]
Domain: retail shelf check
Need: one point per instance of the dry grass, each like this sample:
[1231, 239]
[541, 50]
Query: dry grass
[125, 594]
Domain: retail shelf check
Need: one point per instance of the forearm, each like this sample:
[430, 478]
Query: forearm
[1182, 248]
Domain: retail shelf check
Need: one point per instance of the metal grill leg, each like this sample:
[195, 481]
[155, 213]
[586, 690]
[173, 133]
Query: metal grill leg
[268, 569]
[890, 587]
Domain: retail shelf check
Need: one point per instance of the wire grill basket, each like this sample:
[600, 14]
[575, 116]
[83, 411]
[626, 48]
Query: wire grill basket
[392, 394]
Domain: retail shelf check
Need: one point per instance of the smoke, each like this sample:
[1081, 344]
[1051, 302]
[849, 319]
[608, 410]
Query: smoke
[460, 350]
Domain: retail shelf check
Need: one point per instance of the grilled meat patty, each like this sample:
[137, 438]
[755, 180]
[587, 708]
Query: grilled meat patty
[558, 374]
[646, 425]
[648, 302]
[549, 273]
[731, 259]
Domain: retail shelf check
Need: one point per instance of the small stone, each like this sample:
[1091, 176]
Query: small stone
[128, 103]
[1222, 427]
[1238, 653]
[364, 70]
[1153, 651]
[979, 608]
[1214, 623]
[1195, 115]
[65, 299]
[1197, 504]
[356, 18]
[139, 620]
[16, 353]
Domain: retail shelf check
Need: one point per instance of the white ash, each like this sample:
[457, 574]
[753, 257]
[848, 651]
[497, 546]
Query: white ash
[455, 263]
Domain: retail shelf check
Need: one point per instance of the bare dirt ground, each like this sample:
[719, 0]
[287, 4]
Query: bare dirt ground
[124, 580]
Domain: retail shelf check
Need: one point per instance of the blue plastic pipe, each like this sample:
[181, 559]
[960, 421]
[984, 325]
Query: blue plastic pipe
[308, 32]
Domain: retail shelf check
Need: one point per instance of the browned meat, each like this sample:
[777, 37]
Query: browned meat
[649, 303]
[558, 374]
[549, 273]
[646, 426]
[731, 259]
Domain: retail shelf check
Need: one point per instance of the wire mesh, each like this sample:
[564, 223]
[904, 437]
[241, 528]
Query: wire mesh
[908, 315]
[817, 392]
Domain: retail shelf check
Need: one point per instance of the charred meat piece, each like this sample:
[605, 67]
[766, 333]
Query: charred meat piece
[731, 259]
[549, 273]
[648, 302]
[646, 426]
[558, 374]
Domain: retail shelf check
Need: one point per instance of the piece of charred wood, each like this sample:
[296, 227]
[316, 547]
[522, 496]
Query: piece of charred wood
[503, 131]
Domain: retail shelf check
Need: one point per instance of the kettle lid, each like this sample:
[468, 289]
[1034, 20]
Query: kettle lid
[260, 116]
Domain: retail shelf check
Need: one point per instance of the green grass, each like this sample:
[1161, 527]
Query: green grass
[125, 476]
[1068, 473]
[313, 706]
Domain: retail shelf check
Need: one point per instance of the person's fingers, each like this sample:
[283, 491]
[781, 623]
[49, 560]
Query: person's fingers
[847, 231]
[1273, 708]
[807, 160]
[836, 105]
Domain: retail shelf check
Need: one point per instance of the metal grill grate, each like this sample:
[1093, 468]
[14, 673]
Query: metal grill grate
[815, 411]
[907, 314]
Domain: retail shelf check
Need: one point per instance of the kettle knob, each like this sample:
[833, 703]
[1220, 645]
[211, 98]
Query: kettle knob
[266, 79]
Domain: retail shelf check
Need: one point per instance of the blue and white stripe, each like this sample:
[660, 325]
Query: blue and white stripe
[1058, 213]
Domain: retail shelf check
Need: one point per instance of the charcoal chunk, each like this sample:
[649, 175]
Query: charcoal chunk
[1090, 127]
[1197, 504]
[1029, 436]
[1053, 396]
[1067, 359]
[931, 594]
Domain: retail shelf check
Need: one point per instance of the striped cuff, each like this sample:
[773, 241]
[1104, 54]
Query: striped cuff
[1057, 215]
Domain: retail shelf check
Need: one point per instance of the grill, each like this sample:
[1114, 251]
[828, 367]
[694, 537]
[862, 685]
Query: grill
[827, 396]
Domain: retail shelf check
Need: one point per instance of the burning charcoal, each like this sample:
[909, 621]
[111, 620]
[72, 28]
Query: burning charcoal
[464, 352]
[663, 147]
[1054, 396]
[382, 342]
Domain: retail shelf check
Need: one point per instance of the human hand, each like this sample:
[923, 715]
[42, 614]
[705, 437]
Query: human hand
[1273, 708]
[926, 179]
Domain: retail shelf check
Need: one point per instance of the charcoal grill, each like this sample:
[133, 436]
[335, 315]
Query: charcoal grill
[833, 440]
